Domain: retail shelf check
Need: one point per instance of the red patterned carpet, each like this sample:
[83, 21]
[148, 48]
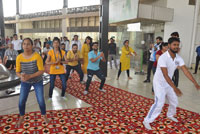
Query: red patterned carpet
[114, 112]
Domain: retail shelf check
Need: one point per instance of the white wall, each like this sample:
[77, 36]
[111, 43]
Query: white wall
[182, 23]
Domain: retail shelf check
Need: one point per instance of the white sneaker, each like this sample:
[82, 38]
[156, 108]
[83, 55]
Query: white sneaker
[173, 119]
[64, 98]
[85, 92]
[49, 99]
[102, 90]
[82, 82]
[147, 125]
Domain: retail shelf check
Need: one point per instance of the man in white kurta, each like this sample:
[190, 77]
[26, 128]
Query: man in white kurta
[163, 85]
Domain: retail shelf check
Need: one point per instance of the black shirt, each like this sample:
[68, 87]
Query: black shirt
[112, 48]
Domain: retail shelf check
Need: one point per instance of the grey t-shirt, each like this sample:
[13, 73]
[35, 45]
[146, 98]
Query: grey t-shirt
[11, 54]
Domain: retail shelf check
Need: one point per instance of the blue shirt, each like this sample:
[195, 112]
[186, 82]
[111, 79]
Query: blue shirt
[198, 50]
[93, 65]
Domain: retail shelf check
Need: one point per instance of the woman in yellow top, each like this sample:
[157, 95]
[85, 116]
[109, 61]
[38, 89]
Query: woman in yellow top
[29, 67]
[125, 59]
[55, 59]
[86, 48]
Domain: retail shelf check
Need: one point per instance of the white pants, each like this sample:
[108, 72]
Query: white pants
[161, 92]
[110, 57]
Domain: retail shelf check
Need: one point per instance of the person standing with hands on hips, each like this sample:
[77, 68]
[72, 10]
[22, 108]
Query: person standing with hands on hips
[29, 67]
[94, 58]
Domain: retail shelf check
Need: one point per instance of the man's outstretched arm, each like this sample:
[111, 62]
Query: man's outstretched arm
[189, 76]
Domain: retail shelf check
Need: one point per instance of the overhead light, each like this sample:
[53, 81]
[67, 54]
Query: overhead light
[134, 27]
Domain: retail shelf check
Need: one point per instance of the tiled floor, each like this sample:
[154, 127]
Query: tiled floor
[190, 99]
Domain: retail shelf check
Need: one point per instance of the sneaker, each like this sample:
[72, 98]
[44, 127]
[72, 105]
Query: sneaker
[102, 90]
[50, 99]
[64, 98]
[194, 73]
[147, 125]
[146, 81]
[82, 82]
[85, 92]
[173, 119]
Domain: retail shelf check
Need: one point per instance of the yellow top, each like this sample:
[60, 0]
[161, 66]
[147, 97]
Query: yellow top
[30, 66]
[21, 62]
[125, 59]
[85, 50]
[56, 68]
[71, 55]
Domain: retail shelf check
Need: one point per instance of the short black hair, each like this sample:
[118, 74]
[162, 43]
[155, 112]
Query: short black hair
[74, 45]
[62, 44]
[175, 34]
[172, 39]
[163, 45]
[14, 35]
[95, 43]
[159, 38]
[75, 35]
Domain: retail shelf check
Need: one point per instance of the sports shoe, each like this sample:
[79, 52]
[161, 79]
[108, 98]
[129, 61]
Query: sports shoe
[85, 92]
[64, 98]
[146, 81]
[173, 119]
[147, 125]
[49, 99]
[102, 90]
[82, 82]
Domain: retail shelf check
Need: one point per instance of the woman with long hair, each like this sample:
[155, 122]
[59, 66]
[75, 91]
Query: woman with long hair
[86, 48]
[55, 59]
[29, 67]
[125, 59]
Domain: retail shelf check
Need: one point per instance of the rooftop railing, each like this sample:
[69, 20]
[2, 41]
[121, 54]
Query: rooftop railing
[75, 10]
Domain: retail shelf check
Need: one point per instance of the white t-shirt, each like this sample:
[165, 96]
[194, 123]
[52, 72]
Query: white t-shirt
[46, 50]
[165, 60]
[67, 45]
[37, 49]
[76, 42]
[17, 44]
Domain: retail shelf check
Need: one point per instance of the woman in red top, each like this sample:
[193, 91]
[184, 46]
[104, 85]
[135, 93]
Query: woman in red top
[163, 49]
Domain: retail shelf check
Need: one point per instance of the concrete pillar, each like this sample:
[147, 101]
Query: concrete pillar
[194, 31]
[103, 32]
[2, 26]
[17, 23]
[64, 22]
[17, 15]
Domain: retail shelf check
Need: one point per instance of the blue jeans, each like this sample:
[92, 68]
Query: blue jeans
[52, 81]
[24, 92]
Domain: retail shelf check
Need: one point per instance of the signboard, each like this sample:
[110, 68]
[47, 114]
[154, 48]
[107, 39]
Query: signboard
[122, 10]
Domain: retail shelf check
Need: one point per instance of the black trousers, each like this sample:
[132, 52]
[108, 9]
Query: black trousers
[19, 51]
[149, 69]
[78, 70]
[9, 63]
[197, 63]
[175, 78]
[90, 74]
[119, 72]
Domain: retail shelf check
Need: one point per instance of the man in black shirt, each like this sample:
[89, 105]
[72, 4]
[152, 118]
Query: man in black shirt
[112, 52]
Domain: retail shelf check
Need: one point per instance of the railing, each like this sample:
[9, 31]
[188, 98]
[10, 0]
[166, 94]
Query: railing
[75, 10]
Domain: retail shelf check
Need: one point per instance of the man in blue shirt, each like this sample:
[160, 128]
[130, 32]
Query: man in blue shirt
[94, 58]
[197, 59]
